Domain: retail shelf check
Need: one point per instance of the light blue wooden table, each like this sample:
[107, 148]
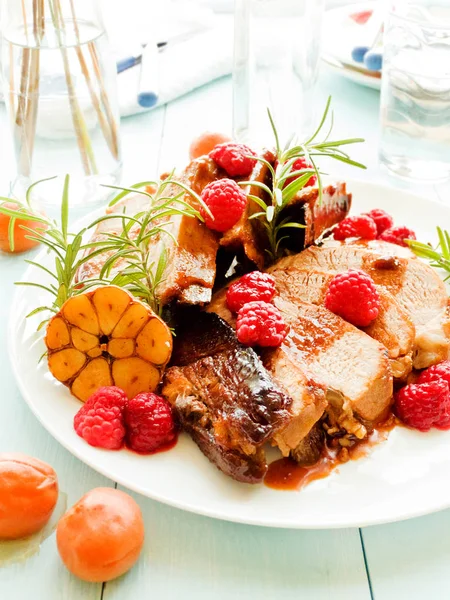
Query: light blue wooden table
[192, 557]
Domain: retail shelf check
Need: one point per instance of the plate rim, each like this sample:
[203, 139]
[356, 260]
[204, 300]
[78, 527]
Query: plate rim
[433, 507]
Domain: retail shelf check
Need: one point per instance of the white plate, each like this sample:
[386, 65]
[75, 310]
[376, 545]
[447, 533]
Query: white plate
[340, 35]
[406, 476]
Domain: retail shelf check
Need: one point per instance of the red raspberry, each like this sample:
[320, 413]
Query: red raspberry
[260, 324]
[382, 219]
[301, 163]
[250, 287]
[149, 423]
[226, 201]
[437, 372]
[234, 158]
[354, 297]
[100, 420]
[356, 227]
[397, 235]
[424, 405]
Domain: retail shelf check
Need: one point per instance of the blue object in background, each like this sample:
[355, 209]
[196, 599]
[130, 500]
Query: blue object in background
[359, 52]
[373, 61]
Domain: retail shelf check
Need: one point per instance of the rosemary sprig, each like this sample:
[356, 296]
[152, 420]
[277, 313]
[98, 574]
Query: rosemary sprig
[438, 257]
[140, 243]
[280, 193]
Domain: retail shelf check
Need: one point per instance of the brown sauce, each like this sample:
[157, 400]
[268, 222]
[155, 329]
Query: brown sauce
[286, 474]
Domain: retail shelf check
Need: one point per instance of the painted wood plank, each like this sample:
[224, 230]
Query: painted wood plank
[42, 577]
[194, 557]
[410, 559]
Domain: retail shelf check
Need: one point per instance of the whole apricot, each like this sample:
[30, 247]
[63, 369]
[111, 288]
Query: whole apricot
[101, 536]
[21, 242]
[28, 495]
[205, 142]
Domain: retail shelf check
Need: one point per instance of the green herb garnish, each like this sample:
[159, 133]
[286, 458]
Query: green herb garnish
[280, 194]
[439, 256]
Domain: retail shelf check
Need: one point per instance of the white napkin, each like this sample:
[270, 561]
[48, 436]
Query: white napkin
[182, 67]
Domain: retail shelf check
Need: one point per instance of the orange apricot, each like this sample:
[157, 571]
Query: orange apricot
[21, 243]
[28, 495]
[205, 142]
[101, 536]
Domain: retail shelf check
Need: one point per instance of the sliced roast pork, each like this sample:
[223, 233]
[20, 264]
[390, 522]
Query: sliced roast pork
[224, 397]
[415, 286]
[392, 328]
[323, 352]
[191, 247]
[249, 237]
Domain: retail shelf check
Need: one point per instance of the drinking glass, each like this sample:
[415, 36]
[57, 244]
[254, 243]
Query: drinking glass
[59, 83]
[276, 61]
[415, 94]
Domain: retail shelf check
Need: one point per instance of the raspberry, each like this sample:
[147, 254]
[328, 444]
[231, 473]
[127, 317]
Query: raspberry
[436, 373]
[397, 235]
[354, 297]
[356, 227]
[149, 423]
[424, 405]
[234, 158]
[301, 163]
[260, 324]
[226, 201]
[100, 420]
[250, 287]
[382, 219]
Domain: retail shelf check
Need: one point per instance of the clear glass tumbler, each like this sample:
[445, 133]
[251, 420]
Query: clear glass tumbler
[415, 94]
[276, 62]
[59, 83]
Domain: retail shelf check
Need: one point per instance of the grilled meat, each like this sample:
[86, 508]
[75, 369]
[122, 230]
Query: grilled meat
[249, 236]
[191, 251]
[224, 397]
[323, 362]
[415, 285]
[392, 328]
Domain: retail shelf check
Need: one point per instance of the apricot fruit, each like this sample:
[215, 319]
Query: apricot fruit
[101, 536]
[28, 495]
[21, 242]
[205, 142]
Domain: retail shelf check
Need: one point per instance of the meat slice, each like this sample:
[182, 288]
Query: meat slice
[415, 285]
[224, 397]
[392, 328]
[249, 236]
[190, 246]
[353, 367]
[323, 353]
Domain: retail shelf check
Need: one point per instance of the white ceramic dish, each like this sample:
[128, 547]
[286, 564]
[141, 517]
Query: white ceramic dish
[340, 35]
[408, 475]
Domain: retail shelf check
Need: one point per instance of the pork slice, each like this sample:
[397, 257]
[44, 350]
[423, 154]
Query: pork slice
[324, 364]
[392, 328]
[224, 397]
[415, 285]
[249, 236]
[353, 367]
[190, 247]
[130, 205]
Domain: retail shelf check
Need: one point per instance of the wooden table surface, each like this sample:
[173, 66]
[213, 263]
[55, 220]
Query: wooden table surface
[193, 557]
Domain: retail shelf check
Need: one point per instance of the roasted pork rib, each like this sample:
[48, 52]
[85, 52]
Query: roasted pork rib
[191, 247]
[224, 397]
[325, 365]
